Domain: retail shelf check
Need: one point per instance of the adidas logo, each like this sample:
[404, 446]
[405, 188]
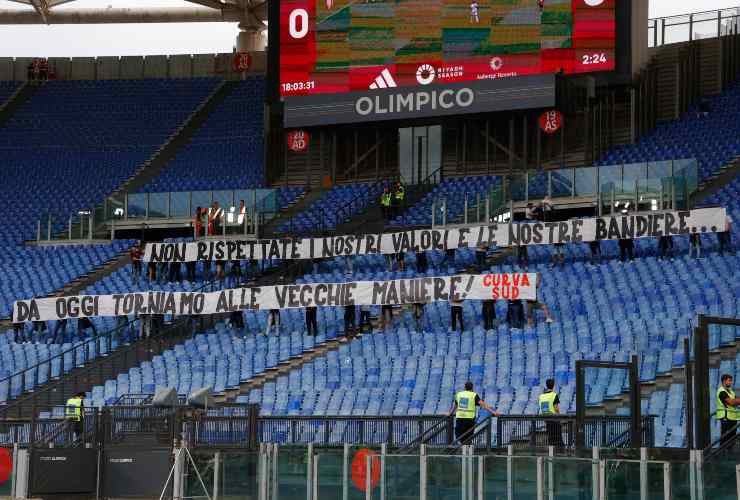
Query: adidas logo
[384, 81]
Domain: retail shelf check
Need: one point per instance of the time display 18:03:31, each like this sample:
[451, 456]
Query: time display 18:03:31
[291, 87]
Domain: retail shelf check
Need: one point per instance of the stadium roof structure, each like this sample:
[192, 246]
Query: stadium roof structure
[249, 13]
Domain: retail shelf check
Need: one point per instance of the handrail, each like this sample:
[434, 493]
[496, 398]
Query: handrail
[87, 345]
[732, 438]
[427, 435]
[482, 427]
[716, 16]
[75, 347]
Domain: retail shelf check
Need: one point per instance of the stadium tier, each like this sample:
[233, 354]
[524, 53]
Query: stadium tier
[708, 132]
[37, 271]
[334, 207]
[94, 134]
[226, 152]
[453, 190]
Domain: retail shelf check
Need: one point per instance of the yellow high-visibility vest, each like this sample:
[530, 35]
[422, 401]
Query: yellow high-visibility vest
[726, 412]
[547, 403]
[73, 409]
[465, 404]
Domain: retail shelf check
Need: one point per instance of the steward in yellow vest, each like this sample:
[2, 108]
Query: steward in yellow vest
[549, 405]
[465, 411]
[727, 412]
[74, 412]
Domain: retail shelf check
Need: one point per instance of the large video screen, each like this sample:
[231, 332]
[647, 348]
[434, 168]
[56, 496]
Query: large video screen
[340, 46]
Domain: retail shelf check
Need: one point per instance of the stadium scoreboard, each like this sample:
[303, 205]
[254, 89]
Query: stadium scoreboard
[362, 60]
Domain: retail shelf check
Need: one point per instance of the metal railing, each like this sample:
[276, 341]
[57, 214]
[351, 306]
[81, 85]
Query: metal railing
[694, 26]
[657, 185]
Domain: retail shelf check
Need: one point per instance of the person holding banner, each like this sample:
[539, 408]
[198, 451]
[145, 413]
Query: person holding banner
[665, 247]
[365, 317]
[349, 320]
[595, 248]
[489, 314]
[198, 222]
[695, 245]
[19, 332]
[312, 326]
[456, 314]
[273, 319]
[135, 257]
[386, 316]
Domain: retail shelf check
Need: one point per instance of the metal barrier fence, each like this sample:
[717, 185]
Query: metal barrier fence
[239, 426]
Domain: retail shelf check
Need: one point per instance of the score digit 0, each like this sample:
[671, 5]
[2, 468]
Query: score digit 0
[295, 15]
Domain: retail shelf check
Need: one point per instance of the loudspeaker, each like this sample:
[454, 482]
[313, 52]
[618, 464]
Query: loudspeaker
[165, 397]
[201, 398]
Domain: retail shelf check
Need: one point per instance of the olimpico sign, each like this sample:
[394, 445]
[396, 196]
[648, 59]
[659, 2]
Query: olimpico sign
[414, 102]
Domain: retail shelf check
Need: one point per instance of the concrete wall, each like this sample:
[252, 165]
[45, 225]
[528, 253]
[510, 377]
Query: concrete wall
[135, 67]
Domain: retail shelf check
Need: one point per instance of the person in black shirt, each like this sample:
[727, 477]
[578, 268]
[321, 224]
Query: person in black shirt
[421, 262]
[84, 324]
[489, 314]
[312, 327]
[595, 247]
[456, 313]
[665, 247]
[349, 320]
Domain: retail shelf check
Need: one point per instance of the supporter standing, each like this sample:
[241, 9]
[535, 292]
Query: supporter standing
[515, 314]
[665, 247]
[489, 314]
[456, 313]
[349, 320]
[312, 326]
[19, 332]
[534, 305]
[198, 222]
[134, 255]
[273, 319]
[595, 247]
[365, 317]
[481, 252]
[419, 316]
[422, 265]
[84, 324]
[695, 245]
[725, 237]
[386, 316]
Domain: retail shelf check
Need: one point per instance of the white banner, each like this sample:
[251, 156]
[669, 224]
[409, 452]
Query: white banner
[638, 225]
[394, 292]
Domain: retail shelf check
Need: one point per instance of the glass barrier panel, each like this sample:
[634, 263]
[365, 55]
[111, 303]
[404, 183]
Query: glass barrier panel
[649, 192]
[517, 187]
[330, 473]
[115, 207]
[585, 181]
[610, 176]
[158, 204]
[659, 169]
[179, 204]
[225, 199]
[445, 477]
[205, 463]
[569, 478]
[631, 173]
[292, 473]
[718, 477]
[680, 485]
[561, 182]
[201, 199]
[136, 205]
[538, 184]
[524, 477]
[402, 474]
[623, 479]
[495, 477]
[239, 477]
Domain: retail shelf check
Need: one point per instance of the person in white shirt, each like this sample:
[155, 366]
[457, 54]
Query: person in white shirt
[474, 12]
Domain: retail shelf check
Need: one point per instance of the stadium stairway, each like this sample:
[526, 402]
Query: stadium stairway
[21, 94]
[303, 202]
[152, 167]
[89, 370]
